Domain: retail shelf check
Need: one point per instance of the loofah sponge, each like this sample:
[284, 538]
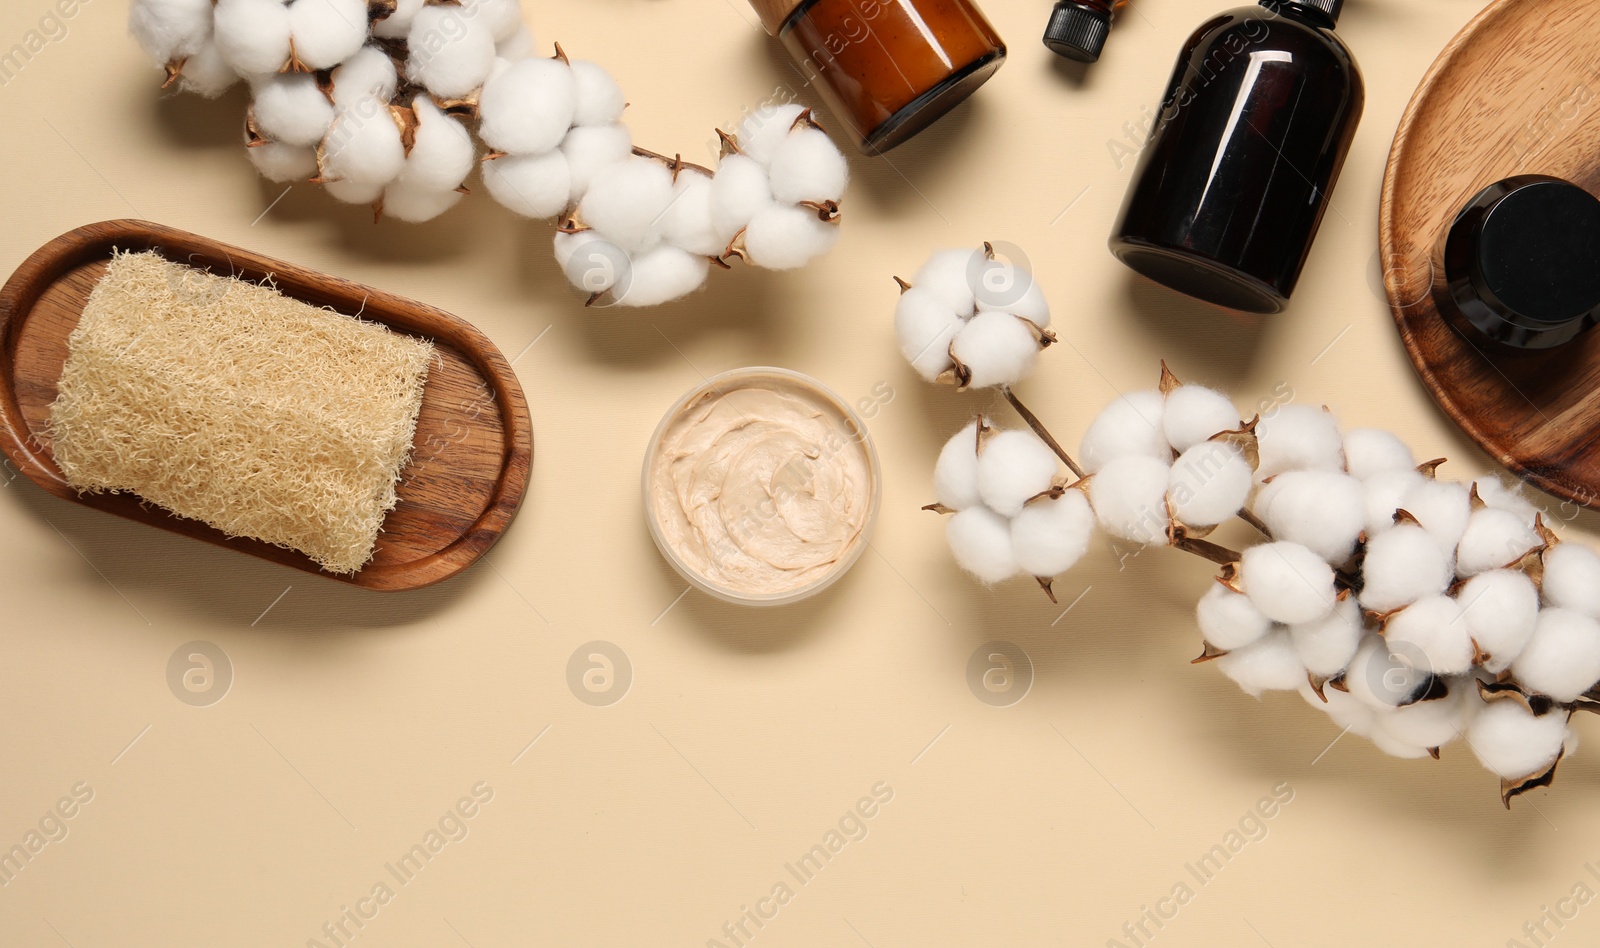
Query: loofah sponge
[230, 403]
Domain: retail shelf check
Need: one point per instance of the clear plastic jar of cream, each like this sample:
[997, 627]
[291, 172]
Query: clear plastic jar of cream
[887, 68]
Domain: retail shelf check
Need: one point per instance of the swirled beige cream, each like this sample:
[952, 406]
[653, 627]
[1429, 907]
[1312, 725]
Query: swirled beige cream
[761, 484]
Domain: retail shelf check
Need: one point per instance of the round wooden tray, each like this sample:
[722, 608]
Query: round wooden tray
[1518, 91]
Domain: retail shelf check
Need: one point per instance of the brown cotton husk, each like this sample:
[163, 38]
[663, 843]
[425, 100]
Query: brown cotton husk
[1169, 382]
[1516, 788]
[379, 10]
[1431, 468]
[464, 106]
[174, 71]
[1244, 440]
[1208, 653]
[903, 285]
[1318, 683]
[1047, 584]
[939, 509]
[1531, 702]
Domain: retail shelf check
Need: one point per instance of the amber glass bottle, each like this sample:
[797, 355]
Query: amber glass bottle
[1234, 180]
[887, 68]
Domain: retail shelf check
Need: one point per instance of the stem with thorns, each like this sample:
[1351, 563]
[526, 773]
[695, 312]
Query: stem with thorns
[1040, 430]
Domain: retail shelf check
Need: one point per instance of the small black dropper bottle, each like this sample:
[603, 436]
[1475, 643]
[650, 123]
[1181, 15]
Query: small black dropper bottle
[1234, 180]
[1077, 29]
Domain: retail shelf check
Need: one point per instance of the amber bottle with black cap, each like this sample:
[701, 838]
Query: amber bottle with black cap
[1235, 178]
[887, 68]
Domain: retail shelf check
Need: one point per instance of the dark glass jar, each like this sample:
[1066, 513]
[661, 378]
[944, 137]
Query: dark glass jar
[887, 68]
[1234, 180]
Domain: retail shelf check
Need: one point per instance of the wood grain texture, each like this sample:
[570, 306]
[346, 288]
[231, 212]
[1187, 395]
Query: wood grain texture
[473, 449]
[1516, 92]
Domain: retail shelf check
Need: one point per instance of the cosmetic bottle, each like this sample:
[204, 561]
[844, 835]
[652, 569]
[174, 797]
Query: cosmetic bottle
[1235, 177]
[886, 68]
[1077, 29]
[1520, 264]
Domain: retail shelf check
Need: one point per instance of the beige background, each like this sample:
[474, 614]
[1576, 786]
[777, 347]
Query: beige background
[356, 720]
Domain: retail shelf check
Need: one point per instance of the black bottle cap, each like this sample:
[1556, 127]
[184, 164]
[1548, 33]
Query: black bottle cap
[1328, 8]
[1076, 32]
[1521, 263]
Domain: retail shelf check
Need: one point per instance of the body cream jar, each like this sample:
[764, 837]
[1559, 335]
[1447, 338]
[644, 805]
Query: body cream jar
[887, 68]
[761, 487]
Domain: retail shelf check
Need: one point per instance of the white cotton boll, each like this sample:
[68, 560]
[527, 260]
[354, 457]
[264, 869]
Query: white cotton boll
[739, 191]
[1502, 496]
[397, 25]
[1268, 664]
[1049, 536]
[354, 192]
[369, 74]
[591, 263]
[591, 148]
[1130, 499]
[764, 130]
[1431, 723]
[662, 274]
[1493, 538]
[1129, 426]
[519, 45]
[252, 35]
[1299, 438]
[628, 202]
[955, 475]
[1287, 582]
[1229, 620]
[1379, 680]
[291, 109]
[808, 166]
[925, 325]
[1384, 490]
[1562, 659]
[1010, 289]
[170, 29]
[997, 348]
[327, 32]
[950, 274]
[451, 53]
[1323, 510]
[786, 236]
[1327, 645]
[530, 185]
[1346, 712]
[688, 223]
[599, 100]
[1012, 467]
[1572, 578]
[1431, 635]
[503, 17]
[416, 204]
[1367, 451]
[1383, 741]
[527, 109]
[980, 540]
[206, 73]
[1193, 413]
[1512, 742]
[1401, 566]
[442, 152]
[1442, 507]
[1501, 608]
[282, 163]
[1210, 483]
[363, 146]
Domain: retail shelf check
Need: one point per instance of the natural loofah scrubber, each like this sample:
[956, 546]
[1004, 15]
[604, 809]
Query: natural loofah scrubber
[227, 402]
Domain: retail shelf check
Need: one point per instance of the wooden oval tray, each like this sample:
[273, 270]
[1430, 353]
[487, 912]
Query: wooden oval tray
[1518, 91]
[471, 457]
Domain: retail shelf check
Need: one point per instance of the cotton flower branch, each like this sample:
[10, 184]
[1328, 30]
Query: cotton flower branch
[1411, 609]
[392, 103]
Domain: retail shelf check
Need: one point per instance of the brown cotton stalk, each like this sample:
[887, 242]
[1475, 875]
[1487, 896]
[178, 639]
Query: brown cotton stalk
[1179, 538]
[1048, 585]
[1248, 516]
[729, 144]
[675, 164]
[1039, 429]
[939, 509]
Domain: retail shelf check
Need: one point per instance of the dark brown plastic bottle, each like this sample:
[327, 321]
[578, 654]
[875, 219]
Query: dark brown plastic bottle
[1234, 180]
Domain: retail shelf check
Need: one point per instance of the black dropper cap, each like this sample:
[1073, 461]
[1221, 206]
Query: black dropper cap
[1077, 31]
[1327, 8]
